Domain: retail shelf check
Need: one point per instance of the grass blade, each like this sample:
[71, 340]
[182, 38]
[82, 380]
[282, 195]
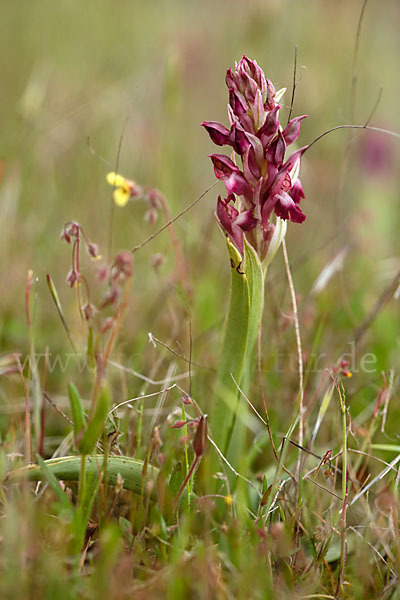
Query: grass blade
[78, 415]
[95, 427]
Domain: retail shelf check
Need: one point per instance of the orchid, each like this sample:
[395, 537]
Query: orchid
[266, 183]
[263, 193]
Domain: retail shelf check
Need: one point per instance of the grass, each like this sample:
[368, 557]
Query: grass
[96, 89]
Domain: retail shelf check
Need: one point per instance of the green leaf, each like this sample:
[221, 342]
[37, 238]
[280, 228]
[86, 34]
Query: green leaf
[110, 547]
[322, 410]
[232, 356]
[255, 278]
[332, 554]
[90, 349]
[96, 424]
[236, 363]
[84, 508]
[53, 482]
[68, 468]
[78, 415]
[386, 447]
[176, 479]
[126, 529]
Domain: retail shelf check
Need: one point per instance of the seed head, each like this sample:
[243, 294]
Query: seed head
[200, 438]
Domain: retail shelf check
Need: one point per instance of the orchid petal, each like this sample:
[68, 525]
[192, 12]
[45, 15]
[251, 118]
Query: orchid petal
[218, 133]
[223, 166]
[292, 129]
[285, 208]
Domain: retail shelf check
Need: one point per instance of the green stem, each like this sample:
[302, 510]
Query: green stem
[343, 544]
[185, 450]
[228, 412]
[139, 413]
[82, 481]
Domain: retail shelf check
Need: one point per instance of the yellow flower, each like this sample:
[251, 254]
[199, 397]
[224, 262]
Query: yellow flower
[122, 188]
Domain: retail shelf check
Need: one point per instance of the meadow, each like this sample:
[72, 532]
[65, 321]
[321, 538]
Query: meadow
[177, 421]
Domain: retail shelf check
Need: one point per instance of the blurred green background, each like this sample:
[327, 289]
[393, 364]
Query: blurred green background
[154, 71]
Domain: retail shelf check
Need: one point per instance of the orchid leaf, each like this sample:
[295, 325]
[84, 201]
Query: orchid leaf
[68, 468]
[53, 482]
[232, 356]
[96, 424]
[255, 278]
[228, 415]
[78, 415]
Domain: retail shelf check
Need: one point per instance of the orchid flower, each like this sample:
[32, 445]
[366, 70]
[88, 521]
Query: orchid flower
[266, 183]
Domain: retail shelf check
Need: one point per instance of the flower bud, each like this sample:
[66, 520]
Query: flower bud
[122, 267]
[179, 424]
[9, 364]
[151, 216]
[200, 438]
[102, 273]
[70, 230]
[93, 250]
[157, 260]
[107, 324]
[89, 310]
[110, 297]
[72, 277]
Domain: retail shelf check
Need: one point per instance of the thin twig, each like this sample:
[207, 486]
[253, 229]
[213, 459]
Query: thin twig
[383, 299]
[354, 77]
[298, 342]
[248, 401]
[56, 408]
[345, 490]
[180, 261]
[388, 394]
[294, 84]
[56, 300]
[367, 127]
[374, 549]
[28, 435]
[301, 390]
[148, 380]
[322, 487]
[110, 233]
[178, 216]
[162, 397]
[260, 385]
[367, 122]
[97, 155]
[228, 464]
[380, 476]
[190, 357]
[125, 402]
[189, 361]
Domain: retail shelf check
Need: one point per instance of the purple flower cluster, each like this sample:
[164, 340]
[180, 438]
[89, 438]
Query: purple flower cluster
[266, 182]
